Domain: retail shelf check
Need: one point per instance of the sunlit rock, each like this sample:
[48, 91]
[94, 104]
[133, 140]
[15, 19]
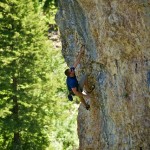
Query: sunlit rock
[117, 58]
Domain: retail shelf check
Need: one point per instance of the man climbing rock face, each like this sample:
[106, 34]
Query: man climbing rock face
[75, 87]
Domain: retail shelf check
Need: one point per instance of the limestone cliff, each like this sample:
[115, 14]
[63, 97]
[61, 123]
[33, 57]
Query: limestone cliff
[117, 58]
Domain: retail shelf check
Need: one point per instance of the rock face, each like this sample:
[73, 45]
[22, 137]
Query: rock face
[116, 34]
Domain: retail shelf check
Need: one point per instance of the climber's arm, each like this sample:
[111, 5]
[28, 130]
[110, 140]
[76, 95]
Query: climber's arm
[79, 57]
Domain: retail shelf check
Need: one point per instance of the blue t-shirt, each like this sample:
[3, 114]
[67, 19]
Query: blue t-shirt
[72, 81]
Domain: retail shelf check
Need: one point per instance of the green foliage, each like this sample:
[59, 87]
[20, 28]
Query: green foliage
[63, 114]
[34, 112]
[24, 60]
[49, 8]
[48, 3]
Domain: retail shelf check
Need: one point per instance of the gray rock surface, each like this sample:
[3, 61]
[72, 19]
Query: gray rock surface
[116, 34]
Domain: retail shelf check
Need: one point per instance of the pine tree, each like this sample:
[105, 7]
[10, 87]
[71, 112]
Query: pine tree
[48, 3]
[24, 59]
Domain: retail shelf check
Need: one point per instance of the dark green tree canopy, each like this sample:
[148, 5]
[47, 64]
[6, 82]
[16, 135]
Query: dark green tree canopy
[48, 3]
[24, 59]
[33, 108]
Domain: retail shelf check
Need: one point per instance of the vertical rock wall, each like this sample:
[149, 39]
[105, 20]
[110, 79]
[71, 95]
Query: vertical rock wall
[117, 58]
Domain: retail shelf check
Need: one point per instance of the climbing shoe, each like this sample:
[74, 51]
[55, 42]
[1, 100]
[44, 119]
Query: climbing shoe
[92, 88]
[70, 98]
[87, 107]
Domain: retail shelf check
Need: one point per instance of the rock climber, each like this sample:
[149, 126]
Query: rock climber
[75, 87]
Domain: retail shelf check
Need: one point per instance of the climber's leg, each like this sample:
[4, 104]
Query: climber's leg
[84, 83]
[87, 106]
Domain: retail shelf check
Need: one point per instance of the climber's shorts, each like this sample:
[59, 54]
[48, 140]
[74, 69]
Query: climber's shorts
[81, 84]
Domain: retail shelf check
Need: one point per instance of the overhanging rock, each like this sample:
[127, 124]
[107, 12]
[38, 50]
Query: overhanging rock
[117, 58]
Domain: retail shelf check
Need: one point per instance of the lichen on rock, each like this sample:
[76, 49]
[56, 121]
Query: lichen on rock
[116, 35]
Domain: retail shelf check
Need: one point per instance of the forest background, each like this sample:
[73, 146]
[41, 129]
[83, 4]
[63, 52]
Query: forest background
[34, 111]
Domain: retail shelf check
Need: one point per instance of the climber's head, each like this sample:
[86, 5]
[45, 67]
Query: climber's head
[69, 72]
